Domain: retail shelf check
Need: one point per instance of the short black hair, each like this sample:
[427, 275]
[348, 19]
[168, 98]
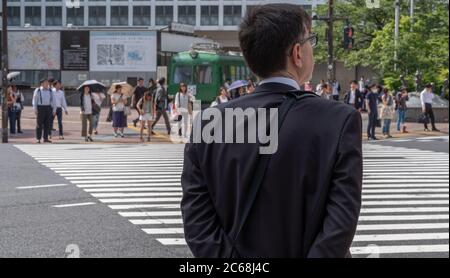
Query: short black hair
[161, 81]
[267, 32]
[354, 82]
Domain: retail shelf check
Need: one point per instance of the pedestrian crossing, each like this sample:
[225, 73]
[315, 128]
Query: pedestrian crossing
[405, 209]
[420, 139]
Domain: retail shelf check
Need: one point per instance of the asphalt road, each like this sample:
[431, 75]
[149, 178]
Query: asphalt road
[30, 225]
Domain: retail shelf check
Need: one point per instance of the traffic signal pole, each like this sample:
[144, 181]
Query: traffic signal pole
[330, 67]
[4, 71]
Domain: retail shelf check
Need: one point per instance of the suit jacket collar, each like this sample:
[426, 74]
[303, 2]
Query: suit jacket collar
[274, 87]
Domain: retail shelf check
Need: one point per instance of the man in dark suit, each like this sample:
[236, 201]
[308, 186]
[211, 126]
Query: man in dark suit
[354, 97]
[308, 201]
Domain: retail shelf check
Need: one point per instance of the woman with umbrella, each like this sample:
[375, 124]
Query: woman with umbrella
[95, 89]
[237, 88]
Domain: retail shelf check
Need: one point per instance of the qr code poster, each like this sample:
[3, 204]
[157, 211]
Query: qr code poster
[133, 51]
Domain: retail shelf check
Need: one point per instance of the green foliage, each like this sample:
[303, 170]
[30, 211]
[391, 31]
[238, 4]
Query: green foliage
[422, 45]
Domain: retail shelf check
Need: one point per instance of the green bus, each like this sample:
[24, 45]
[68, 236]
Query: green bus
[205, 68]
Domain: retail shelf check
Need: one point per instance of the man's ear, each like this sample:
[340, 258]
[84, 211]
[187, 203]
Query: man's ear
[297, 55]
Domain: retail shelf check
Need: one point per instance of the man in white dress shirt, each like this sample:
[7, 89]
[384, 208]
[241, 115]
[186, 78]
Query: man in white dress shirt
[61, 105]
[426, 99]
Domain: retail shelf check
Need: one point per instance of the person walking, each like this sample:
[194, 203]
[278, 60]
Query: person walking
[319, 87]
[400, 105]
[241, 201]
[354, 97]
[308, 86]
[12, 110]
[118, 107]
[387, 112]
[20, 99]
[336, 90]
[138, 93]
[161, 104]
[96, 109]
[426, 99]
[223, 96]
[145, 109]
[183, 101]
[372, 109]
[86, 101]
[44, 107]
[61, 106]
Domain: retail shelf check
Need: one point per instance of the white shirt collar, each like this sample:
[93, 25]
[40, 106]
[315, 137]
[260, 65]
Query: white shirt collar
[282, 80]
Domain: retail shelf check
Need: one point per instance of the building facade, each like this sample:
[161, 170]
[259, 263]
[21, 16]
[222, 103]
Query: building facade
[216, 19]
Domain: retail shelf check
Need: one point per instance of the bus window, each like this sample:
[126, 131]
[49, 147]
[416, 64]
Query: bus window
[203, 75]
[182, 74]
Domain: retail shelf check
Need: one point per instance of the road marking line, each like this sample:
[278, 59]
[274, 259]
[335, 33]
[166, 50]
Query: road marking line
[152, 194]
[172, 241]
[139, 189]
[149, 213]
[395, 237]
[74, 205]
[406, 209]
[157, 221]
[399, 202]
[405, 196]
[163, 231]
[412, 226]
[42, 186]
[140, 200]
[396, 249]
[402, 217]
[157, 206]
[169, 184]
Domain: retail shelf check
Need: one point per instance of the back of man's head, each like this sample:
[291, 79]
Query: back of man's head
[267, 33]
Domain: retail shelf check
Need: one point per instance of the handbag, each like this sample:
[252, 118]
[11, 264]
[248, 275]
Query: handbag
[127, 111]
[423, 119]
[261, 166]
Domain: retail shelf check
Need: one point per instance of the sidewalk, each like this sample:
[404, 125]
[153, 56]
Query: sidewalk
[414, 130]
[72, 130]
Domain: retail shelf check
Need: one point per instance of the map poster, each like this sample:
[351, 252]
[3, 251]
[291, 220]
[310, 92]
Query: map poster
[75, 50]
[133, 51]
[34, 50]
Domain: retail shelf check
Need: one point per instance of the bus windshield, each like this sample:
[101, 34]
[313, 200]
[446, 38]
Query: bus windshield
[182, 74]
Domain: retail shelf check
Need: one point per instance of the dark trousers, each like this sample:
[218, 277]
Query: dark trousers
[163, 113]
[18, 116]
[429, 112]
[43, 121]
[372, 125]
[59, 115]
[336, 97]
[12, 116]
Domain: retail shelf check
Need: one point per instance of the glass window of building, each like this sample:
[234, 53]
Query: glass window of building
[97, 16]
[186, 15]
[119, 16]
[232, 15]
[75, 16]
[164, 15]
[33, 16]
[13, 16]
[53, 16]
[141, 16]
[209, 15]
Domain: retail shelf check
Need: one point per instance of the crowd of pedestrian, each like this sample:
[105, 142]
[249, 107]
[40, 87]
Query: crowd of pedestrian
[152, 103]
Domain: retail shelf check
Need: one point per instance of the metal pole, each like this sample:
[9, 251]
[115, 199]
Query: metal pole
[330, 69]
[4, 70]
[396, 35]
[411, 14]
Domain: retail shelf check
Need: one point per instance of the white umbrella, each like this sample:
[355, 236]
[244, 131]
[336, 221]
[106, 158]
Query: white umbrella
[127, 89]
[93, 84]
